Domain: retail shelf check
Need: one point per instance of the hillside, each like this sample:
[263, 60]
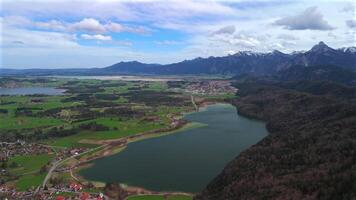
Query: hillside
[309, 154]
[318, 73]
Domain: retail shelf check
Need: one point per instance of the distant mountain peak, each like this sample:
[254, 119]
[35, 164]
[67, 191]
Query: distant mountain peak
[298, 52]
[322, 43]
[321, 47]
[246, 53]
[276, 52]
[129, 62]
[242, 62]
[348, 49]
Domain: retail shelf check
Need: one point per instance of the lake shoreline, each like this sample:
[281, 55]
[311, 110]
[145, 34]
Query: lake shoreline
[32, 91]
[111, 147]
[119, 148]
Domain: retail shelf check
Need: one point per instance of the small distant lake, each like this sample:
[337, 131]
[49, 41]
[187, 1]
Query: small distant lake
[31, 90]
[123, 78]
[185, 161]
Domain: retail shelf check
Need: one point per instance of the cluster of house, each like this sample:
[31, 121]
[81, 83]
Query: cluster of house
[21, 148]
[211, 88]
[68, 152]
[82, 196]
[8, 150]
[75, 189]
[10, 193]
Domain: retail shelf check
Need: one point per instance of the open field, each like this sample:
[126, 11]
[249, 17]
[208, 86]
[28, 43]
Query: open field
[29, 163]
[29, 181]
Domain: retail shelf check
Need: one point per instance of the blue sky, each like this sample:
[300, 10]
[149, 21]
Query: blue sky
[98, 33]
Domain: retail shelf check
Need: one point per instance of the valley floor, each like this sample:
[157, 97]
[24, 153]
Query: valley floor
[93, 118]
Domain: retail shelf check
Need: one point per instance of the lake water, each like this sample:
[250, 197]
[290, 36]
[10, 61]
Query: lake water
[185, 161]
[123, 78]
[31, 90]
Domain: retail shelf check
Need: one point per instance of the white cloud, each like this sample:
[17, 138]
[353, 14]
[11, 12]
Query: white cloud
[50, 25]
[158, 12]
[96, 37]
[117, 28]
[288, 37]
[114, 27]
[310, 19]
[350, 7]
[38, 39]
[332, 35]
[225, 30]
[88, 25]
[168, 42]
[351, 23]
[190, 23]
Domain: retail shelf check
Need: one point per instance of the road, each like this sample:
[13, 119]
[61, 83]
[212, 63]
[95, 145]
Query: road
[194, 104]
[59, 162]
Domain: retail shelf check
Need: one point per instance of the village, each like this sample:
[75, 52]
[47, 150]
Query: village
[53, 188]
[211, 88]
[19, 148]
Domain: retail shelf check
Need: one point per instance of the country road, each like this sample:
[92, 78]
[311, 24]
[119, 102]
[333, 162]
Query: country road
[59, 162]
[194, 104]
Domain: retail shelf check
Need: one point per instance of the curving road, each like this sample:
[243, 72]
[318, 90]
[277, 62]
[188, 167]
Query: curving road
[59, 162]
[194, 104]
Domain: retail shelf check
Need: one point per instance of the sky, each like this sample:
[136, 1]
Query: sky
[99, 33]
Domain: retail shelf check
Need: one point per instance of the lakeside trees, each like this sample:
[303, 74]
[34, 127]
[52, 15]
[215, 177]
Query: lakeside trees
[310, 152]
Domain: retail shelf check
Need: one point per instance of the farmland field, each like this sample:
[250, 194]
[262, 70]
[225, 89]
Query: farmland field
[45, 135]
[87, 112]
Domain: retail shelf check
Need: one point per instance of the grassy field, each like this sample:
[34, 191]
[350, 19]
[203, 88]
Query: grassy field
[123, 129]
[180, 197]
[29, 163]
[29, 181]
[28, 170]
[27, 122]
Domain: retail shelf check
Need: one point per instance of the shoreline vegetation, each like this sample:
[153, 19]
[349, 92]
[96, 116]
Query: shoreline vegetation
[309, 153]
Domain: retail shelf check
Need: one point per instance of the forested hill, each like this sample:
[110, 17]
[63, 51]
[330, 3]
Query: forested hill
[239, 63]
[309, 154]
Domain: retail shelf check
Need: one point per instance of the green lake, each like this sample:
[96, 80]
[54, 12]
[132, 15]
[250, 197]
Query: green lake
[184, 161]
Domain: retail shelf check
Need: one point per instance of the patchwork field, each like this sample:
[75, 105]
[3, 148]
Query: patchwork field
[44, 133]
[89, 111]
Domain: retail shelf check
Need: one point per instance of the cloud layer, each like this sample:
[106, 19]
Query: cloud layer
[310, 19]
[100, 32]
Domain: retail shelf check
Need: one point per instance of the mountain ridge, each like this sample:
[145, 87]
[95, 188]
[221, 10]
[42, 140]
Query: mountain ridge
[238, 63]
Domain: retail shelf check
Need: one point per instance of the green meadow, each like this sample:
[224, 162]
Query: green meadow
[29, 163]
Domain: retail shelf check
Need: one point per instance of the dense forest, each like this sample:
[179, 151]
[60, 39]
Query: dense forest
[310, 152]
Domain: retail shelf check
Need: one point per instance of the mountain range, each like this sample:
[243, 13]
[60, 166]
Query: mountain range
[244, 62]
